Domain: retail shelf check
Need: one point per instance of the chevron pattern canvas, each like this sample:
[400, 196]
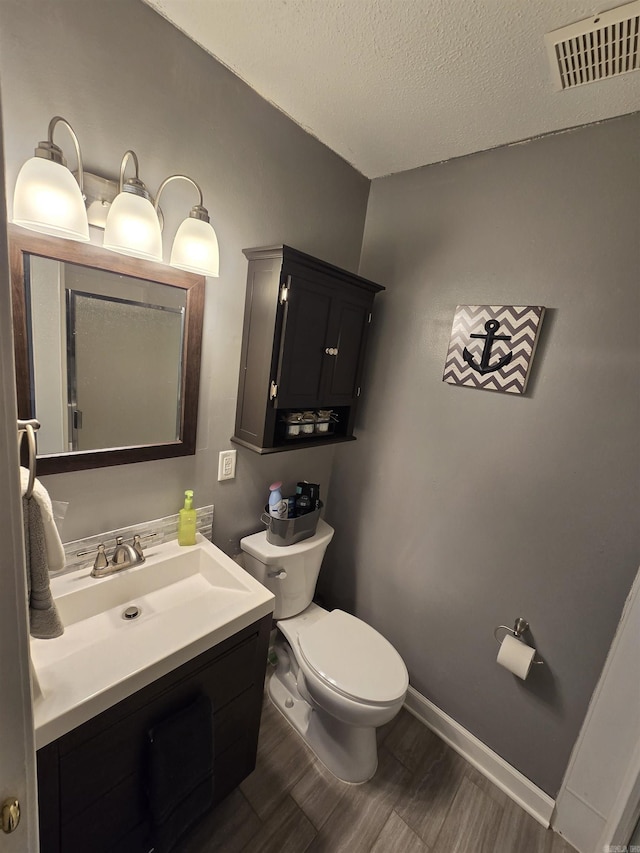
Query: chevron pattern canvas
[492, 346]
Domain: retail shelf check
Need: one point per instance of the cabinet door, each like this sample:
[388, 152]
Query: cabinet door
[322, 344]
[347, 338]
[305, 331]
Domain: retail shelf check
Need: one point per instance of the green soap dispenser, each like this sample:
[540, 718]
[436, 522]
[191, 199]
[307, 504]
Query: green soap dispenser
[187, 521]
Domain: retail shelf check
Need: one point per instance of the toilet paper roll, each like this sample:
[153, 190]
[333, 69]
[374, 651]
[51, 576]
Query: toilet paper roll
[516, 656]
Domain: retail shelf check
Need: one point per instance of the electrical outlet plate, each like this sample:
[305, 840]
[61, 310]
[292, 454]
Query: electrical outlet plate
[226, 465]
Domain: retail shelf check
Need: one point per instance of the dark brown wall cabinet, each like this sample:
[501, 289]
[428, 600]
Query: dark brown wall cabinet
[92, 781]
[303, 346]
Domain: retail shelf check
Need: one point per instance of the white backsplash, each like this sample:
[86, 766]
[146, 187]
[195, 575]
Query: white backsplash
[165, 529]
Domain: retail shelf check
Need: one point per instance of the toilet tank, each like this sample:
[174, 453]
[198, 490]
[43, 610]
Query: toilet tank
[289, 572]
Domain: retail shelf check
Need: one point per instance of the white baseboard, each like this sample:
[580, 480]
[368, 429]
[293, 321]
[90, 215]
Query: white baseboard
[527, 795]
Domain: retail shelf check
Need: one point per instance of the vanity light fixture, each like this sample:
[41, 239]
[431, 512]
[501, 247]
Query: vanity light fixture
[195, 246]
[47, 197]
[132, 226]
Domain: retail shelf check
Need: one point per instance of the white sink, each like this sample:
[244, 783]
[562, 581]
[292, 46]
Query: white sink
[189, 599]
[169, 578]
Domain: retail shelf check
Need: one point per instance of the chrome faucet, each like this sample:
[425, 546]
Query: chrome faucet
[124, 556]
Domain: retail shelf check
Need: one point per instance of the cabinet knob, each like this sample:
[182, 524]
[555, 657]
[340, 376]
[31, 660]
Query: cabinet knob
[10, 815]
[331, 351]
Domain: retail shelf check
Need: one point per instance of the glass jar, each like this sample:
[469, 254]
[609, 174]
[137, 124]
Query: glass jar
[323, 416]
[293, 424]
[308, 423]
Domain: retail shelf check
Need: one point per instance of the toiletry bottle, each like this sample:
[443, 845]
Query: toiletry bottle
[303, 505]
[278, 507]
[311, 491]
[187, 521]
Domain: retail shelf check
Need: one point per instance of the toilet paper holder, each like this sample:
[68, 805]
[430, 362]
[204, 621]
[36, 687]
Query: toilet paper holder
[520, 626]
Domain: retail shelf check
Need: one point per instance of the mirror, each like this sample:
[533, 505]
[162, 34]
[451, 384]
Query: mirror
[107, 353]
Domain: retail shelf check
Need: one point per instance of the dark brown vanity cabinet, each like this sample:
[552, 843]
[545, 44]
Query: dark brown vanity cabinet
[92, 781]
[303, 347]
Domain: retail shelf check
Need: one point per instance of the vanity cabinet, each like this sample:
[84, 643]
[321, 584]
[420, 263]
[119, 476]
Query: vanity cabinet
[91, 781]
[303, 348]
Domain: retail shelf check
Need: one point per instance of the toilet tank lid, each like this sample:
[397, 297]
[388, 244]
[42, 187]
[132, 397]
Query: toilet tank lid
[258, 546]
[355, 658]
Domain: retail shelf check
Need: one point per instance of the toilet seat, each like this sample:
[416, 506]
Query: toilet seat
[354, 659]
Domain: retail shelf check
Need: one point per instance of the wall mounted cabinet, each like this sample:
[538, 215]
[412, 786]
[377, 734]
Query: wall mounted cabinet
[305, 332]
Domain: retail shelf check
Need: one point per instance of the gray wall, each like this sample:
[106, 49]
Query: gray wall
[125, 78]
[458, 510]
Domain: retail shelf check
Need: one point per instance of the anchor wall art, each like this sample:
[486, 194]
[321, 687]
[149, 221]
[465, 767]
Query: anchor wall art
[492, 346]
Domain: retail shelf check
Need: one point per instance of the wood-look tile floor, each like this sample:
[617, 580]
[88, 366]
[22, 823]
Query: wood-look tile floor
[424, 798]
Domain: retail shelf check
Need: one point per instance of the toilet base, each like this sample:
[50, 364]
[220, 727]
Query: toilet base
[349, 752]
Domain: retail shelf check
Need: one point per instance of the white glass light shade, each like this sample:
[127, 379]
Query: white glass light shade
[47, 198]
[195, 248]
[132, 228]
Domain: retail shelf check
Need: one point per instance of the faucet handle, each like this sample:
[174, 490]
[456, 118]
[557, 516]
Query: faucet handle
[101, 561]
[137, 545]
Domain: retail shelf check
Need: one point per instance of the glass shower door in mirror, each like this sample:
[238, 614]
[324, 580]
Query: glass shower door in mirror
[106, 357]
[124, 371]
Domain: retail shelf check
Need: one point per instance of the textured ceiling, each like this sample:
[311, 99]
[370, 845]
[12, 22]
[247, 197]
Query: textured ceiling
[395, 84]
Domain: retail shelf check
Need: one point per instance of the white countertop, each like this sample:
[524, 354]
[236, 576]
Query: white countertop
[191, 599]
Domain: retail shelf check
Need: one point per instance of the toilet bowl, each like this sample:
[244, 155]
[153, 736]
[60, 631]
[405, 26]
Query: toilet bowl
[337, 679]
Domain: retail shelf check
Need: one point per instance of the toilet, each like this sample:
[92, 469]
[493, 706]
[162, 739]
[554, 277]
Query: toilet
[337, 679]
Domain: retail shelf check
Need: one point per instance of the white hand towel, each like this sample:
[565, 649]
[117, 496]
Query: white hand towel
[43, 554]
[55, 550]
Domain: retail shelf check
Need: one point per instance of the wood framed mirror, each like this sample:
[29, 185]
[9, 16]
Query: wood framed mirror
[107, 351]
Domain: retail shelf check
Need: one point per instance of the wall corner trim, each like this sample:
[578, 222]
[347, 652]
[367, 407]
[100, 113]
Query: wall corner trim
[597, 809]
[522, 790]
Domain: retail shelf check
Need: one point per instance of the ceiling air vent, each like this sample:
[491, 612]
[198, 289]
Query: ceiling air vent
[596, 48]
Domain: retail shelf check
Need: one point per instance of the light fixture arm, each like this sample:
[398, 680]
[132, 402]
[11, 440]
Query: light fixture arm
[123, 165]
[50, 151]
[198, 211]
[132, 185]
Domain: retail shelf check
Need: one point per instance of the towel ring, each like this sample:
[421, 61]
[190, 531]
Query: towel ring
[27, 427]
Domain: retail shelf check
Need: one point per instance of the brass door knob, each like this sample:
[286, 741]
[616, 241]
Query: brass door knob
[10, 815]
